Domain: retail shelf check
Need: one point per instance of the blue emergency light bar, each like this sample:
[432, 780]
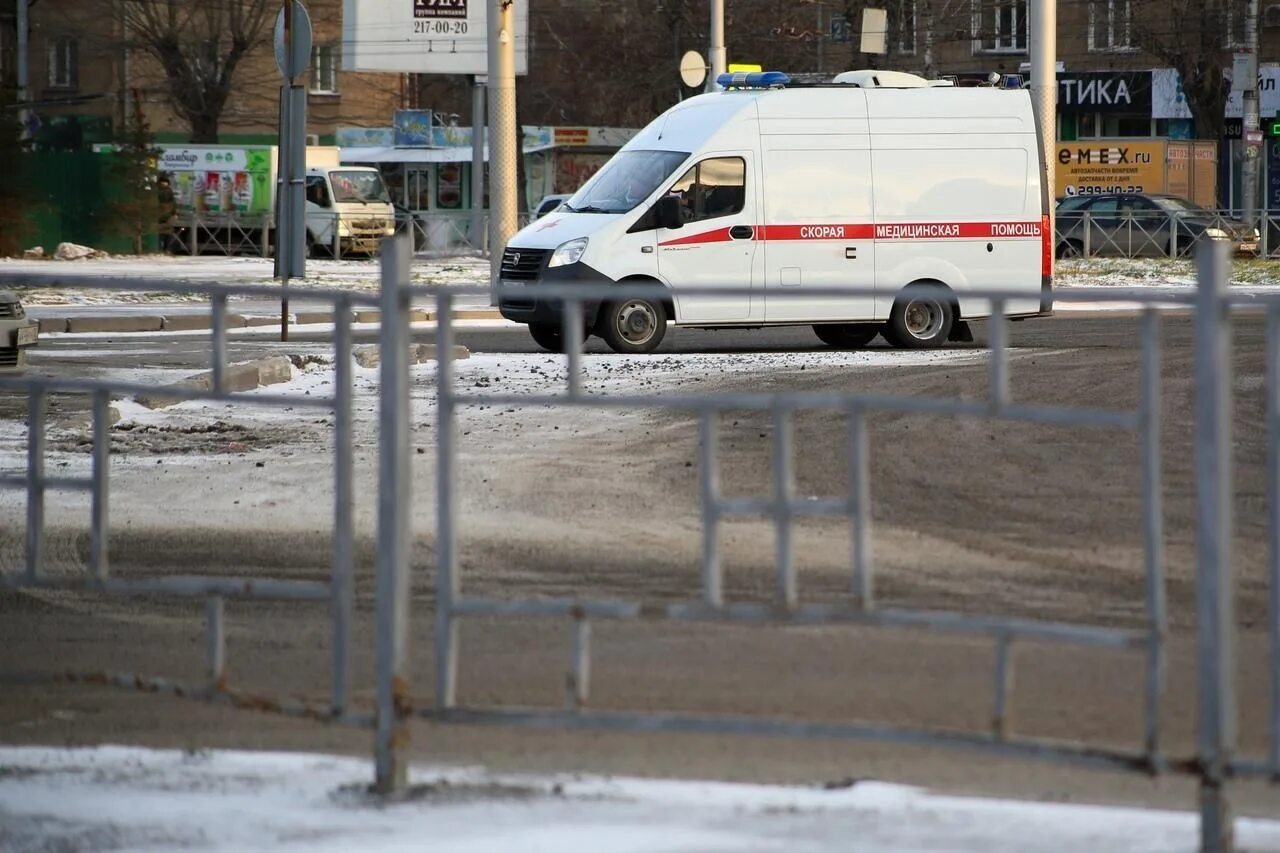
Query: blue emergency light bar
[753, 80]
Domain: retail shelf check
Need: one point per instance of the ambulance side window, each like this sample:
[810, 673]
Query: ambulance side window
[711, 189]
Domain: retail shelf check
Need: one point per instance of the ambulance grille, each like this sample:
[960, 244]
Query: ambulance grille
[522, 264]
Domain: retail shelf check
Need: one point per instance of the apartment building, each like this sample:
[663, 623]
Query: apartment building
[88, 72]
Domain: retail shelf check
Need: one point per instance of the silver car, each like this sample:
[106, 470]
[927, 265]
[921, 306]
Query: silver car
[17, 333]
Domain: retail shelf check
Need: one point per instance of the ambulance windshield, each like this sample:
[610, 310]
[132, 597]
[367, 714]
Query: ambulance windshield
[625, 181]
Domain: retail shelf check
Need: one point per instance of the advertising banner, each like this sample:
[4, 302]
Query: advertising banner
[425, 36]
[413, 128]
[1084, 168]
[1169, 101]
[365, 137]
[1105, 92]
[220, 180]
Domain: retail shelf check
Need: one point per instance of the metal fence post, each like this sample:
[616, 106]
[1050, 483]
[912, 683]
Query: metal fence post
[343, 509]
[447, 581]
[392, 608]
[1215, 612]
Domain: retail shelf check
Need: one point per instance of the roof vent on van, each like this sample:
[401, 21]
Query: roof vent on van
[876, 79]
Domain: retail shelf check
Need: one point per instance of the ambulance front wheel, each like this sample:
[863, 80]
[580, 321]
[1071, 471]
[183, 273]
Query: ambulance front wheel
[549, 336]
[920, 319]
[633, 325]
[846, 335]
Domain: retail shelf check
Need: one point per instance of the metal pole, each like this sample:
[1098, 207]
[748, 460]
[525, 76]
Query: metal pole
[391, 745]
[343, 510]
[502, 134]
[101, 493]
[1252, 146]
[1273, 530]
[477, 162]
[716, 50]
[1153, 533]
[1215, 609]
[448, 583]
[1044, 85]
[215, 643]
[36, 411]
[817, 34]
[284, 217]
[24, 70]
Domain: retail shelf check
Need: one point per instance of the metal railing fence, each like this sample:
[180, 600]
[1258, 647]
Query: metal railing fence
[35, 482]
[1214, 762]
[1160, 234]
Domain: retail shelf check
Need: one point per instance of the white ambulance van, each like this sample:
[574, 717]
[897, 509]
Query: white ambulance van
[878, 181]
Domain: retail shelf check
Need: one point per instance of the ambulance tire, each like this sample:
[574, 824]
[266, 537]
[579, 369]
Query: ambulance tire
[846, 335]
[920, 320]
[549, 336]
[632, 326]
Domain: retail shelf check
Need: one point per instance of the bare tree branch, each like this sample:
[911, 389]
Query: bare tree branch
[199, 46]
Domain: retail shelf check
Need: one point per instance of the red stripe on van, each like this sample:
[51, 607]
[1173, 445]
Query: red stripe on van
[958, 231]
[817, 232]
[882, 231]
[720, 235]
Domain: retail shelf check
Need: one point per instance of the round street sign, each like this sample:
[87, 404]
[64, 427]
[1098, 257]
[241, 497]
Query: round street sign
[293, 62]
[693, 69]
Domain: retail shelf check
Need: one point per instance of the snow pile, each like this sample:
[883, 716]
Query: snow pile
[139, 799]
[76, 252]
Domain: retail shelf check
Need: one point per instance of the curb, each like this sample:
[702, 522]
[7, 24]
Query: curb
[236, 377]
[84, 323]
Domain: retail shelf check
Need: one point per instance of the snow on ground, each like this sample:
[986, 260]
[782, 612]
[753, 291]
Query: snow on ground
[111, 797]
[516, 374]
[359, 275]
[362, 275]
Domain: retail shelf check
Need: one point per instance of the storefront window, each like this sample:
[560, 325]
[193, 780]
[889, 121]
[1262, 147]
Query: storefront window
[1126, 126]
[1106, 126]
[449, 186]
[393, 177]
[419, 188]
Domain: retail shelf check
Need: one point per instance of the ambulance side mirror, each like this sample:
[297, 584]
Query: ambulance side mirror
[666, 212]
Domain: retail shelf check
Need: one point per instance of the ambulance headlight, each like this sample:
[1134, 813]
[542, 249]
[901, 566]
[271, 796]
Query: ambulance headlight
[568, 253]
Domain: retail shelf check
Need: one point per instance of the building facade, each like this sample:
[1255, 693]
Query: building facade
[89, 72]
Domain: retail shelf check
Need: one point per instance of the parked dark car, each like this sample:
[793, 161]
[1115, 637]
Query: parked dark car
[548, 203]
[16, 332]
[1141, 225]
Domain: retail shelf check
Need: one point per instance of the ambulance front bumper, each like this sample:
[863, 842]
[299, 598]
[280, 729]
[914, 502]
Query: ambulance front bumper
[518, 300]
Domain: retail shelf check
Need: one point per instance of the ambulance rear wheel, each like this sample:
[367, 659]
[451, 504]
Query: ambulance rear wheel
[846, 335]
[920, 320]
[633, 325]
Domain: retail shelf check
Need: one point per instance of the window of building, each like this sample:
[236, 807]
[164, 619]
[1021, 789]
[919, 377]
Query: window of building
[324, 69]
[1000, 26]
[63, 63]
[8, 66]
[902, 26]
[1233, 34]
[1110, 24]
[1105, 126]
